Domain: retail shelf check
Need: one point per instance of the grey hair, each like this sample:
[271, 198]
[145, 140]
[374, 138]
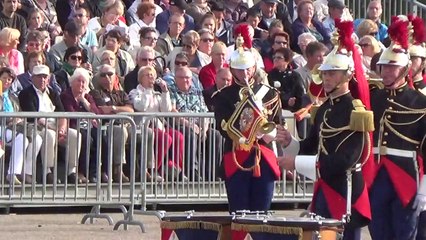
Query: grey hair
[306, 35]
[144, 49]
[80, 72]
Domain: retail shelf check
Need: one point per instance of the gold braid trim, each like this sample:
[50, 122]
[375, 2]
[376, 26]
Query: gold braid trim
[217, 227]
[412, 110]
[256, 160]
[346, 138]
[268, 229]
[400, 135]
[180, 225]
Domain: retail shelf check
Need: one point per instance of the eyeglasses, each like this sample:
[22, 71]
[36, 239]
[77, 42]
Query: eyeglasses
[151, 39]
[373, 34]
[185, 77]
[277, 57]
[147, 59]
[207, 40]
[281, 42]
[364, 45]
[80, 15]
[74, 57]
[109, 74]
[179, 63]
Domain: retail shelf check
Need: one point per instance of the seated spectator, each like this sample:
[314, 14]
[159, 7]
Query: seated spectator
[144, 57]
[335, 11]
[305, 22]
[197, 9]
[280, 40]
[24, 80]
[9, 40]
[206, 41]
[132, 11]
[38, 42]
[374, 13]
[370, 47]
[88, 37]
[223, 28]
[149, 38]
[111, 12]
[235, 11]
[367, 27]
[190, 44]
[223, 79]
[188, 100]
[29, 100]
[38, 20]
[208, 73]
[10, 19]
[291, 84]
[315, 54]
[124, 61]
[303, 40]
[253, 18]
[208, 22]
[72, 35]
[72, 60]
[21, 149]
[172, 38]
[111, 101]
[170, 142]
[176, 7]
[76, 99]
[146, 15]
[181, 60]
[265, 45]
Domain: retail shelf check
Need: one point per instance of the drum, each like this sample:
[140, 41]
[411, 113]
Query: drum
[285, 228]
[196, 227]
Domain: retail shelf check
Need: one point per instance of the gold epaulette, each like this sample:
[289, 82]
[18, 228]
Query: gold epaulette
[313, 112]
[374, 83]
[361, 119]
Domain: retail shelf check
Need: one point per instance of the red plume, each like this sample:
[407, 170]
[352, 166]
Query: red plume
[345, 30]
[419, 33]
[398, 32]
[243, 29]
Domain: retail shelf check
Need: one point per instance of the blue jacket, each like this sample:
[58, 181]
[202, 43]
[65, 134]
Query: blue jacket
[298, 28]
[381, 34]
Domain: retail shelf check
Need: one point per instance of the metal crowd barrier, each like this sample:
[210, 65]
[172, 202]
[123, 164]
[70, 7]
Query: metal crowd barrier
[50, 184]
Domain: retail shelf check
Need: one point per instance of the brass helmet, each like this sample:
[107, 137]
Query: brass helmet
[397, 53]
[241, 58]
[338, 59]
[418, 39]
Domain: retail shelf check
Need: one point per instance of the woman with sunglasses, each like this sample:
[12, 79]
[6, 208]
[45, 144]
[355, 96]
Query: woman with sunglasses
[73, 59]
[146, 15]
[207, 40]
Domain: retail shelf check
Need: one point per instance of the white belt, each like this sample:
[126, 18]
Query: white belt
[358, 167]
[394, 152]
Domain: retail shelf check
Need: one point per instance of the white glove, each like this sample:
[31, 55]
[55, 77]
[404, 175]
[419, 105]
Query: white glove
[420, 201]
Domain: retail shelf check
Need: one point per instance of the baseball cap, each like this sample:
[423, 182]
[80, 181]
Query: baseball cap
[41, 70]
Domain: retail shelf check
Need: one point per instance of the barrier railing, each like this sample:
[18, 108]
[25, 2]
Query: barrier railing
[48, 167]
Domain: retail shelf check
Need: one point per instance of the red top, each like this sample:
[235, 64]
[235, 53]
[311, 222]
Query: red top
[268, 63]
[207, 75]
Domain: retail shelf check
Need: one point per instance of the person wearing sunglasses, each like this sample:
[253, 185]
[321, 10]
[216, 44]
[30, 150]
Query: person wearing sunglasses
[73, 59]
[207, 39]
[374, 13]
[370, 47]
[144, 57]
[146, 18]
[88, 36]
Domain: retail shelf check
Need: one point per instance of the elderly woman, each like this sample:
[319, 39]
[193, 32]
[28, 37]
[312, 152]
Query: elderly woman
[9, 40]
[73, 59]
[77, 99]
[306, 22]
[146, 15]
[207, 40]
[146, 99]
[196, 58]
[124, 61]
[21, 149]
[111, 12]
[367, 27]
[303, 40]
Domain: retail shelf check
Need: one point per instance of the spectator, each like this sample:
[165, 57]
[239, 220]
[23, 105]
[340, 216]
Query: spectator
[223, 79]
[292, 9]
[146, 99]
[303, 40]
[124, 61]
[21, 149]
[132, 11]
[176, 7]
[208, 22]
[223, 28]
[72, 36]
[197, 9]
[374, 13]
[9, 19]
[72, 60]
[370, 47]
[65, 10]
[280, 40]
[77, 99]
[144, 57]
[235, 11]
[172, 38]
[208, 73]
[264, 45]
[149, 38]
[111, 101]
[88, 37]
[37, 20]
[37, 41]
[24, 80]
[253, 18]
[49, 14]
[271, 10]
[367, 27]
[315, 52]
[9, 39]
[181, 60]
[29, 100]
[111, 12]
[335, 11]
[146, 15]
[291, 84]
[207, 40]
[306, 23]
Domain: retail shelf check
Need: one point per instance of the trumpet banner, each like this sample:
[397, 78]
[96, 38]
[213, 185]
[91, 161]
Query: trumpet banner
[265, 232]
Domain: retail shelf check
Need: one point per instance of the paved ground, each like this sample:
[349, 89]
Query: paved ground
[67, 226]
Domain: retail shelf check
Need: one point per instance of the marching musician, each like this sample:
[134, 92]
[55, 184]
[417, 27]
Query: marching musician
[398, 192]
[244, 111]
[340, 138]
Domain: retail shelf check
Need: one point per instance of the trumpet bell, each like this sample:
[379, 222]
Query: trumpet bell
[267, 128]
[315, 73]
